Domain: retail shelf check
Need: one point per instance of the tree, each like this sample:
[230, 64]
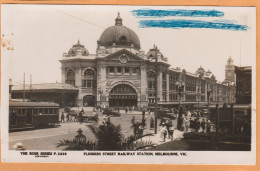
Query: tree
[109, 137]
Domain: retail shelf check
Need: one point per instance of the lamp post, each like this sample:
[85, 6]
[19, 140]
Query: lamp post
[180, 89]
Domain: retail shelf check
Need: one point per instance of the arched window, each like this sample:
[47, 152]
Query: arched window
[70, 77]
[89, 72]
[89, 79]
[151, 80]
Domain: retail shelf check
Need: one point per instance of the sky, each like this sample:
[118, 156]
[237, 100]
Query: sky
[41, 33]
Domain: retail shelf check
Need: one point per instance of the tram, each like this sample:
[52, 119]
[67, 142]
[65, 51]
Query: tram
[24, 115]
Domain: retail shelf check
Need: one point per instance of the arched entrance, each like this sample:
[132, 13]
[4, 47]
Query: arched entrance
[123, 95]
[89, 100]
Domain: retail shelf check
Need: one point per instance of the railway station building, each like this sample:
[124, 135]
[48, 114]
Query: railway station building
[122, 74]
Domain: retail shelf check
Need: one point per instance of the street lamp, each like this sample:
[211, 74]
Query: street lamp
[180, 89]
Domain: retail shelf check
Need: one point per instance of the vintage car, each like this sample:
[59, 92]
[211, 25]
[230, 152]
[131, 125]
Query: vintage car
[111, 112]
[165, 114]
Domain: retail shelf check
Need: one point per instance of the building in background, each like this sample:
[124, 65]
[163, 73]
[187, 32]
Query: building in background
[122, 74]
[243, 84]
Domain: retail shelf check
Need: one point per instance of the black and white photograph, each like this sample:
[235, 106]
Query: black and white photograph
[128, 84]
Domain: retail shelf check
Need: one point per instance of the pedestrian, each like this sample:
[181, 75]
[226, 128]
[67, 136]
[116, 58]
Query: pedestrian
[191, 125]
[75, 117]
[167, 124]
[208, 126]
[108, 120]
[203, 125]
[104, 119]
[136, 129]
[151, 123]
[133, 120]
[197, 125]
[149, 111]
[162, 121]
[163, 131]
[80, 138]
[140, 130]
[62, 117]
[68, 117]
[171, 131]
[80, 117]
[186, 122]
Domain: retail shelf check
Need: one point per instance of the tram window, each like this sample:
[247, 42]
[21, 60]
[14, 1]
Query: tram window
[35, 111]
[40, 111]
[23, 111]
[51, 111]
[55, 111]
[45, 111]
[17, 111]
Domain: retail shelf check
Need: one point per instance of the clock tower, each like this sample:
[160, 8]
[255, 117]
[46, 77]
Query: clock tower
[230, 70]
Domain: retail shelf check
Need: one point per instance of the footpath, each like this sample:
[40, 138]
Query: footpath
[157, 139]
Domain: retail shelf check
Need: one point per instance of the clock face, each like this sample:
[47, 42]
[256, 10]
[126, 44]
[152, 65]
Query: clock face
[123, 58]
[229, 74]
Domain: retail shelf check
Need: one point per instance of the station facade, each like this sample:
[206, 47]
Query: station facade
[121, 74]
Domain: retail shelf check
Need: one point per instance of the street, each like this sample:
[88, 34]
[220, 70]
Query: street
[47, 139]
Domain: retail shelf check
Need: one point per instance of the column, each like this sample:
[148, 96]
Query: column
[63, 74]
[159, 85]
[143, 86]
[78, 77]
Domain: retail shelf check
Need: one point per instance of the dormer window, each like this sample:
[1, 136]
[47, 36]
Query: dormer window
[123, 40]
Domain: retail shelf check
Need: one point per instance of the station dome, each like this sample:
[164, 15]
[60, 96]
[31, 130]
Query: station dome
[119, 35]
[78, 48]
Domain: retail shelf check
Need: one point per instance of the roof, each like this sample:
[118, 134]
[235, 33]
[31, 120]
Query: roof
[78, 49]
[32, 104]
[120, 35]
[45, 86]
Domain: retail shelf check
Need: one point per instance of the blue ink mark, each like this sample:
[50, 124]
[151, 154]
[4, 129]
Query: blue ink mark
[143, 13]
[178, 24]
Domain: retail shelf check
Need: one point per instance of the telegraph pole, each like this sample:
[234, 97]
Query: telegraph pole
[23, 86]
[156, 73]
[30, 87]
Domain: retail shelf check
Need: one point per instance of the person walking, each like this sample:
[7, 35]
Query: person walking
[68, 117]
[203, 125]
[133, 120]
[136, 129]
[208, 126]
[151, 123]
[171, 131]
[191, 125]
[197, 125]
[62, 117]
[163, 131]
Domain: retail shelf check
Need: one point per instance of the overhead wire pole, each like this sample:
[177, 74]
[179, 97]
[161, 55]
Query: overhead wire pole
[156, 73]
[24, 86]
